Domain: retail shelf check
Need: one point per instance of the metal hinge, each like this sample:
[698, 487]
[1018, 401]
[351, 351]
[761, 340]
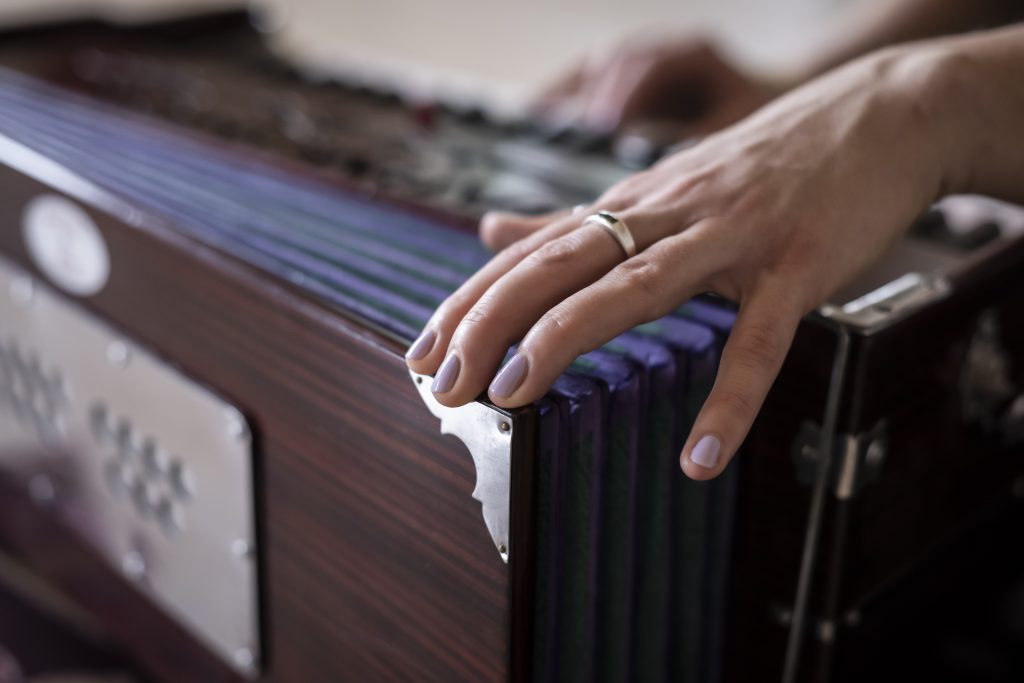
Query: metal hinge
[487, 432]
[856, 458]
[821, 629]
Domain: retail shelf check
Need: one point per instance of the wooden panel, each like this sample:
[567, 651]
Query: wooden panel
[376, 562]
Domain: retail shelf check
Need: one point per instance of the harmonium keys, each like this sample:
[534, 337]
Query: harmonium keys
[209, 440]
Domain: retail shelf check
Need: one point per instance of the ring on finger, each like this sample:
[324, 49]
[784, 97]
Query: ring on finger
[615, 227]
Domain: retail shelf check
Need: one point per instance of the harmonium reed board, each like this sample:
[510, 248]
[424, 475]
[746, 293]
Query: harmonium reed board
[209, 441]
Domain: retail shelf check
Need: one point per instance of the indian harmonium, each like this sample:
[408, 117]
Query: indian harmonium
[210, 267]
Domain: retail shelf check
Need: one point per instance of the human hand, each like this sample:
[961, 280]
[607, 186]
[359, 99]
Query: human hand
[775, 213]
[684, 84]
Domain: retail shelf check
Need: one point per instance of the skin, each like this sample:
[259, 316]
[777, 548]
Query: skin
[684, 87]
[775, 213]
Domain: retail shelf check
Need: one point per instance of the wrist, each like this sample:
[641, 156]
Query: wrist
[942, 85]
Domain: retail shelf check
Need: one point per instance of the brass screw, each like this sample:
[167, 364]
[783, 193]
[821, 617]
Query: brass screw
[504, 426]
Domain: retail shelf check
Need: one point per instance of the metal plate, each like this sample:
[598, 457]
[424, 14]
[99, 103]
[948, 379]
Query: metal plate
[152, 469]
[486, 432]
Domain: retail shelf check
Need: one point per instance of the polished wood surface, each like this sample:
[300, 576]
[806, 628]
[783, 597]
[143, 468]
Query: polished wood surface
[376, 564]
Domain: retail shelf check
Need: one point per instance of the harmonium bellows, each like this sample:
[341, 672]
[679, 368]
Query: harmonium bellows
[211, 265]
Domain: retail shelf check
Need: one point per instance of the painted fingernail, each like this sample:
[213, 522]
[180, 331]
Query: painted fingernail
[421, 347]
[705, 453]
[446, 375]
[509, 377]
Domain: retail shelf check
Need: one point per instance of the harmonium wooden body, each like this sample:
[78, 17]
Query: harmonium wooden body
[211, 450]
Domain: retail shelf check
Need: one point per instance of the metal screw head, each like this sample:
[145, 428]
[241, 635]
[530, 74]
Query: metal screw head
[241, 548]
[237, 427]
[118, 354]
[133, 565]
[504, 426]
[503, 551]
[244, 659]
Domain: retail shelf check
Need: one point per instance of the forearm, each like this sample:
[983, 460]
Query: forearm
[975, 91]
[874, 24]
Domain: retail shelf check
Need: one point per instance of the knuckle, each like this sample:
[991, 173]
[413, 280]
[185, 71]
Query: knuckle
[642, 278]
[479, 314]
[478, 326]
[625, 193]
[760, 347]
[516, 252]
[557, 253]
[451, 306]
[555, 328]
[738, 402]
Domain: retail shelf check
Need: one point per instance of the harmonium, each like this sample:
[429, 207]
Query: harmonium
[213, 456]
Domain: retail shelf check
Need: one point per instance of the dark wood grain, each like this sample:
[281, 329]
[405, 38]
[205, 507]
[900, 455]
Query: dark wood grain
[375, 560]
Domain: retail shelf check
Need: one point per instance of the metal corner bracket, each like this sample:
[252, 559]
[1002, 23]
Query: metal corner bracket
[487, 432]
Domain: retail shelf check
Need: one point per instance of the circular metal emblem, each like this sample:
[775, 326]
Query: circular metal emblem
[66, 245]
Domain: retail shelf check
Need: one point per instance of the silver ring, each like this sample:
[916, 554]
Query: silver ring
[616, 228]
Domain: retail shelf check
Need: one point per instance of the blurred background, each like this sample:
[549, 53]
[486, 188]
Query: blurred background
[496, 52]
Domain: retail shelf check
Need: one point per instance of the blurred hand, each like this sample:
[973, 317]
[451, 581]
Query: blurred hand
[775, 213]
[683, 83]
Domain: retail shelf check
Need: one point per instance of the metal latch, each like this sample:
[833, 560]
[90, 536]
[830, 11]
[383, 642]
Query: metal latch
[856, 458]
[487, 433]
[889, 303]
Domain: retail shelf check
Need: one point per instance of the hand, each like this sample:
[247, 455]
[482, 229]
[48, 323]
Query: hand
[682, 83]
[775, 213]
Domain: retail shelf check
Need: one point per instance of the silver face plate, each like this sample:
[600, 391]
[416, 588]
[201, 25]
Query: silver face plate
[150, 468]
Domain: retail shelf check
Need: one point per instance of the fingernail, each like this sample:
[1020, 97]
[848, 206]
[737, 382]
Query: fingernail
[705, 453]
[421, 347]
[509, 377]
[446, 375]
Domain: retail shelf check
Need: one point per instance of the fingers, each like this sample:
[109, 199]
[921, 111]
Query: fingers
[505, 312]
[481, 336]
[426, 353]
[639, 290]
[619, 84]
[564, 88]
[750, 362]
[499, 229]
